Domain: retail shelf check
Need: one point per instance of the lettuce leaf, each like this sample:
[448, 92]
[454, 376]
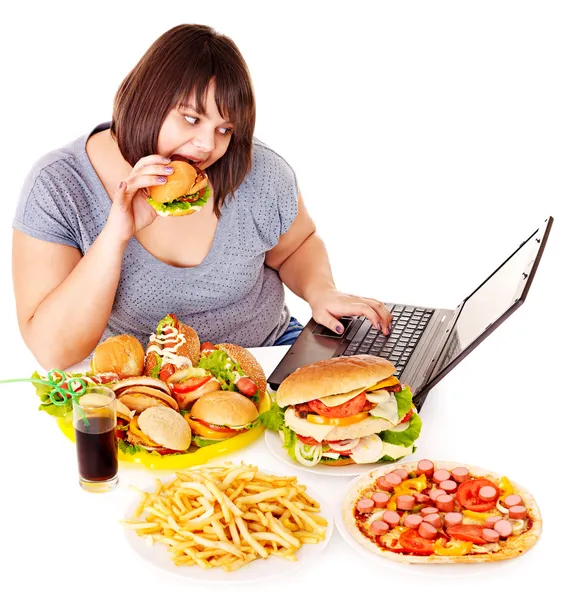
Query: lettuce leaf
[155, 371]
[406, 437]
[202, 442]
[168, 321]
[57, 410]
[178, 205]
[41, 389]
[272, 419]
[289, 441]
[404, 402]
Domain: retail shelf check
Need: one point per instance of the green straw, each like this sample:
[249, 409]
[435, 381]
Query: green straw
[64, 395]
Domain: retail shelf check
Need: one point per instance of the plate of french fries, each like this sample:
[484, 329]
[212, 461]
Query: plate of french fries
[228, 523]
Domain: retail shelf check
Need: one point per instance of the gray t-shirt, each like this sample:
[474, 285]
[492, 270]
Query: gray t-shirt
[230, 297]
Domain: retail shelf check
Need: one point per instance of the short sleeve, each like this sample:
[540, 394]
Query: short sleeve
[45, 207]
[274, 205]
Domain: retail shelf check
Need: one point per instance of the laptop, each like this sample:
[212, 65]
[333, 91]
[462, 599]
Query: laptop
[425, 344]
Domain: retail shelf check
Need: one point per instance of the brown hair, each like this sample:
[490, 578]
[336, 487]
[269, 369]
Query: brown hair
[181, 61]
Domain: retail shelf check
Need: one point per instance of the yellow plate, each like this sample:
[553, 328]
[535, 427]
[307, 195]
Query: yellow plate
[183, 461]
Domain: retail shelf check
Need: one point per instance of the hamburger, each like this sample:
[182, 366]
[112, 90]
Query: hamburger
[345, 410]
[160, 429]
[187, 385]
[220, 415]
[140, 393]
[185, 191]
[173, 346]
[124, 416]
[120, 354]
[235, 368]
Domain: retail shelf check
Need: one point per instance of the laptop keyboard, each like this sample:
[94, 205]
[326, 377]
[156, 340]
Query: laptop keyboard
[409, 323]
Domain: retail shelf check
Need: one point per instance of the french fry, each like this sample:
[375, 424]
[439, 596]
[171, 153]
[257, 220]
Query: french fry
[227, 516]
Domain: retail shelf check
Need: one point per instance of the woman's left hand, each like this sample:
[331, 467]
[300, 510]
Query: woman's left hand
[329, 305]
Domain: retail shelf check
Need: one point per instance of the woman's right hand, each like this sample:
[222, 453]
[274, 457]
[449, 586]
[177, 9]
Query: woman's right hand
[130, 211]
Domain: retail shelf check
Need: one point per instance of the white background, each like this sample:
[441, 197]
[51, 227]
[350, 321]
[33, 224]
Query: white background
[427, 138]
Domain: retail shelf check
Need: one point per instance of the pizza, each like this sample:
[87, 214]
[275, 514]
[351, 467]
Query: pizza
[441, 512]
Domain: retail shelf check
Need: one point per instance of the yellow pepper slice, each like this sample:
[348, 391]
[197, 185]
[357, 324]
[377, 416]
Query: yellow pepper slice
[452, 548]
[407, 488]
[506, 488]
[478, 516]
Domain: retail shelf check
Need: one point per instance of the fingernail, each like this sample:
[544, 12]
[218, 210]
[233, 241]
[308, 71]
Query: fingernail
[162, 179]
[339, 329]
[169, 169]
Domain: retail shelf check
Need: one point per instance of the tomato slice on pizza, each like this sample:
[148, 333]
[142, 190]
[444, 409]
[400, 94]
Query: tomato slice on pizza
[441, 512]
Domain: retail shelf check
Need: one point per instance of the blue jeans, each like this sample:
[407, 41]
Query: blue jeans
[290, 334]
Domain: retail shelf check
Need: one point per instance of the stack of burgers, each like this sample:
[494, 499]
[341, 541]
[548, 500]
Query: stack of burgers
[188, 395]
[345, 410]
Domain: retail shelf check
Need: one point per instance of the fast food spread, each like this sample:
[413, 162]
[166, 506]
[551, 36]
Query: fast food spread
[228, 516]
[179, 397]
[441, 512]
[345, 410]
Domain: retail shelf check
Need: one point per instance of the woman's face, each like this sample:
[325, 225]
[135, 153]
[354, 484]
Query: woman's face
[203, 138]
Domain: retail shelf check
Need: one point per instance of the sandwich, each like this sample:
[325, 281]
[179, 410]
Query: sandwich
[159, 429]
[120, 354]
[345, 410]
[173, 346]
[187, 385]
[124, 416]
[220, 415]
[140, 393]
[185, 191]
[235, 368]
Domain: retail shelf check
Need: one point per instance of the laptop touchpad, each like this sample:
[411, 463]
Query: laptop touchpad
[325, 331]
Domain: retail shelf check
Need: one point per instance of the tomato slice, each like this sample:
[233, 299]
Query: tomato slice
[467, 533]
[218, 428]
[468, 494]
[190, 384]
[348, 409]
[407, 417]
[207, 346]
[414, 543]
[309, 440]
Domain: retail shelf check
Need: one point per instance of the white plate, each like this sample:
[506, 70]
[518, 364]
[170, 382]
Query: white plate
[441, 571]
[275, 446]
[257, 570]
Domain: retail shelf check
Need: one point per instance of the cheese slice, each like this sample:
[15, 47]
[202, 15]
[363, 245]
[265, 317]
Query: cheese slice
[339, 399]
[303, 427]
[395, 451]
[388, 382]
[386, 406]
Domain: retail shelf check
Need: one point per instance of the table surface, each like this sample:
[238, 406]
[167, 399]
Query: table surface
[54, 533]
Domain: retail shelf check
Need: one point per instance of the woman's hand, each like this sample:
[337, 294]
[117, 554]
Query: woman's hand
[130, 211]
[330, 304]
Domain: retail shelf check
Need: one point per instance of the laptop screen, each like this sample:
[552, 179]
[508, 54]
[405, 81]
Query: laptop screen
[485, 308]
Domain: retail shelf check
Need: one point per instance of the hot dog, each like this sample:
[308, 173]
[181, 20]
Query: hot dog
[235, 368]
[173, 346]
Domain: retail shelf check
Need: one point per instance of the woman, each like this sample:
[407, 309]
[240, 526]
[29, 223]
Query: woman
[91, 258]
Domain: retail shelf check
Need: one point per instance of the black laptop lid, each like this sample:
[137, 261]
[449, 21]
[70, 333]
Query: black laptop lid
[490, 304]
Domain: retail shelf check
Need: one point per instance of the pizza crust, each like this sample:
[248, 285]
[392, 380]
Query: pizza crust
[511, 548]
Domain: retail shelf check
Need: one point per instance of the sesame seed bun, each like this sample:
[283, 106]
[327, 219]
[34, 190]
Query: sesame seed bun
[332, 376]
